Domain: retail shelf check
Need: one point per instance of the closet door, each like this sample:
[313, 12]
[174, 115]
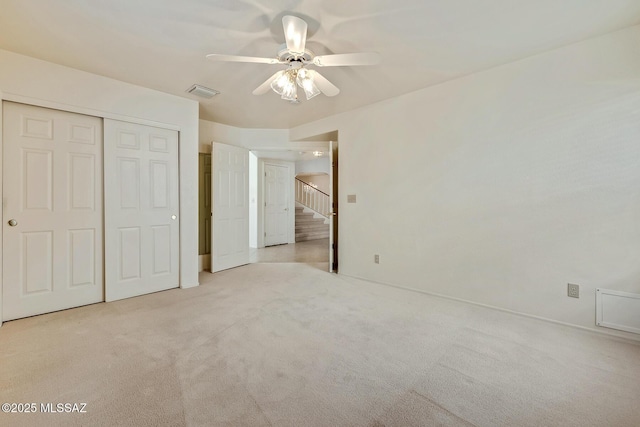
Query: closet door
[141, 215]
[52, 210]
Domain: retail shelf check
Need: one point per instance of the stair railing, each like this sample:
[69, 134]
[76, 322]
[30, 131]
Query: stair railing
[308, 195]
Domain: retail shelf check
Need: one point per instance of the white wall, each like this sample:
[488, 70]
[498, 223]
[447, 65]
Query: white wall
[501, 187]
[320, 180]
[32, 81]
[320, 164]
[248, 138]
[263, 140]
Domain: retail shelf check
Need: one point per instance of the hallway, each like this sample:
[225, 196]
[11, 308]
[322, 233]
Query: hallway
[311, 251]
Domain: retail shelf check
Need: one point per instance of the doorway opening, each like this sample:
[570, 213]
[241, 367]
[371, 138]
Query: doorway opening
[267, 190]
[289, 219]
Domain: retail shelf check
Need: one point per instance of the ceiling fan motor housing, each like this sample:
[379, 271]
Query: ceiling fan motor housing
[284, 55]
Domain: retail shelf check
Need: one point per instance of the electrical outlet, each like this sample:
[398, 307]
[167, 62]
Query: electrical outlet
[376, 259]
[573, 290]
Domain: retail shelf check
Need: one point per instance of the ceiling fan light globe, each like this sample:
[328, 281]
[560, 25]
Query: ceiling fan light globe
[303, 74]
[280, 84]
[290, 93]
[310, 89]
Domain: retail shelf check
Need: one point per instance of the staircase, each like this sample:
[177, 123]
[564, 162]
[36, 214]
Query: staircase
[308, 227]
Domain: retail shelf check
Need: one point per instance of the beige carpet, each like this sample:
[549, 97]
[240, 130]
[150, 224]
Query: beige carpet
[291, 345]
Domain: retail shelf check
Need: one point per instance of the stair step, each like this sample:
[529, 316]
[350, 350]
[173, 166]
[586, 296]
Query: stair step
[301, 237]
[310, 221]
[312, 224]
[304, 216]
[312, 230]
[300, 212]
[304, 229]
[309, 236]
[308, 227]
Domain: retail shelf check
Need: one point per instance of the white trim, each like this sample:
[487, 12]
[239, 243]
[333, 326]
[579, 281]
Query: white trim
[613, 334]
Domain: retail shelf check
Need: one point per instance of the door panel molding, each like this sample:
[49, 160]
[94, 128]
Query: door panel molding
[276, 190]
[52, 177]
[230, 184]
[141, 194]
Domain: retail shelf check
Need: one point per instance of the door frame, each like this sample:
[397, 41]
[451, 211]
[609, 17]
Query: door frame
[334, 223]
[291, 227]
[2, 99]
[4, 96]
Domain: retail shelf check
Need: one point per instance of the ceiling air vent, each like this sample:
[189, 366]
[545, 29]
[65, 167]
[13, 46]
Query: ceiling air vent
[202, 92]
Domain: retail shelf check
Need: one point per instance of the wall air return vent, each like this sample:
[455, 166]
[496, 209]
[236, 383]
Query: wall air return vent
[202, 92]
[618, 310]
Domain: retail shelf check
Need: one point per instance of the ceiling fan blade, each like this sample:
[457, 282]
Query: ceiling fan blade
[323, 84]
[347, 59]
[266, 86]
[295, 34]
[234, 58]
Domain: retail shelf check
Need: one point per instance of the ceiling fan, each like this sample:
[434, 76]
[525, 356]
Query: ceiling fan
[297, 60]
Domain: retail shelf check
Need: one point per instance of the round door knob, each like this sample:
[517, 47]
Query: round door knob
[13, 222]
[173, 217]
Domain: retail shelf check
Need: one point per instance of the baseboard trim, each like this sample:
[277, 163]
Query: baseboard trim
[611, 334]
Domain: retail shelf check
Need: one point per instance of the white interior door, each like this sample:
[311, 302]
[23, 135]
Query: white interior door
[230, 207]
[141, 215]
[276, 204]
[52, 210]
[333, 215]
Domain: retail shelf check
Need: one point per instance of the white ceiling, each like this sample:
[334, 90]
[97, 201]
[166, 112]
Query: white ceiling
[161, 44]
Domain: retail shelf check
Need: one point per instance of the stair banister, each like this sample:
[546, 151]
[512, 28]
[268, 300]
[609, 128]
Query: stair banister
[312, 198]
